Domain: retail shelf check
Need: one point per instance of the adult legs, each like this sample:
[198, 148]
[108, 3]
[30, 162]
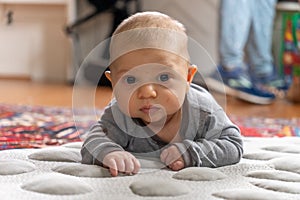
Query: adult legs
[235, 22]
[259, 46]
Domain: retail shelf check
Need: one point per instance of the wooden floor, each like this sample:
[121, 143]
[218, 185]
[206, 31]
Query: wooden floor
[49, 94]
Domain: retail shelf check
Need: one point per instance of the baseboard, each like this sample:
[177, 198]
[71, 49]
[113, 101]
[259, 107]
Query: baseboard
[15, 77]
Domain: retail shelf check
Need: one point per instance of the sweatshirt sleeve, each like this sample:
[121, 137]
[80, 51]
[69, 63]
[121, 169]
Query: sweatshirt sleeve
[104, 137]
[217, 143]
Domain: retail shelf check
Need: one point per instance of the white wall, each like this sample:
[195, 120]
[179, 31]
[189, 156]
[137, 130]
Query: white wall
[34, 45]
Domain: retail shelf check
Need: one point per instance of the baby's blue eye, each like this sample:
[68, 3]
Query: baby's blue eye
[130, 79]
[164, 77]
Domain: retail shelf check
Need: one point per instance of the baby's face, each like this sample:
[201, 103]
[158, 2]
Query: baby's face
[149, 84]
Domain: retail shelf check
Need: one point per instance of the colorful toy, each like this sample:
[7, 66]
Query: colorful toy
[290, 47]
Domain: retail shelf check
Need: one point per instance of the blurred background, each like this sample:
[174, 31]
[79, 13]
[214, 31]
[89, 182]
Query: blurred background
[43, 44]
[48, 40]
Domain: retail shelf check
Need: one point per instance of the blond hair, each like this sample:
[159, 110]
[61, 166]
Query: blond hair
[149, 30]
[150, 19]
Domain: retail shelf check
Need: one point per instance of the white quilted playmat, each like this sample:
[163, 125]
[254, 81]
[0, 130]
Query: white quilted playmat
[269, 170]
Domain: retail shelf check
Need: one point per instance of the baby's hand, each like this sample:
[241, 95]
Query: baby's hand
[121, 161]
[172, 158]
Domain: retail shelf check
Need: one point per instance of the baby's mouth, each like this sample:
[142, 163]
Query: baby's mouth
[149, 109]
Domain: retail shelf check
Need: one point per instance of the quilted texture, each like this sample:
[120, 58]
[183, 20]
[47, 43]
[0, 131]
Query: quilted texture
[63, 177]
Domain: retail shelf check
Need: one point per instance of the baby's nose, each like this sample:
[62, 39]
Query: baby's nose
[147, 91]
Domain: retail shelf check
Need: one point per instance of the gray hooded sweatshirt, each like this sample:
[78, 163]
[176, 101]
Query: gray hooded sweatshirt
[209, 138]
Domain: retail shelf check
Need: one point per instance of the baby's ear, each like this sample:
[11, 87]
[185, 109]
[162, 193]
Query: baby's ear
[191, 73]
[108, 75]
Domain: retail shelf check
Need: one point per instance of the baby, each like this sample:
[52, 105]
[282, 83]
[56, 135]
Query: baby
[157, 110]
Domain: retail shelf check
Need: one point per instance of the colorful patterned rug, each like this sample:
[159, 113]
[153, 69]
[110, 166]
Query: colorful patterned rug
[267, 127]
[36, 126]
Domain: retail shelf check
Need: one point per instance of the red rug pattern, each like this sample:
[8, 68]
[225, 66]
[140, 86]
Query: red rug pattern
[37, 126]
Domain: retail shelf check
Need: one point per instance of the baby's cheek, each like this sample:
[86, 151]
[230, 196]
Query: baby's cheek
[132, 106]
[173, 101]
[123, 100]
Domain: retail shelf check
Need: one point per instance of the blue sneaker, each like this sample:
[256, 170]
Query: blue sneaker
[272, 83]
[237, 83]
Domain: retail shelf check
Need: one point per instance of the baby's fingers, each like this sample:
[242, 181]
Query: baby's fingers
[177, 165]
[132, 166]
[129, 166]
[122, 161]
[137, 165]
[113, 168]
